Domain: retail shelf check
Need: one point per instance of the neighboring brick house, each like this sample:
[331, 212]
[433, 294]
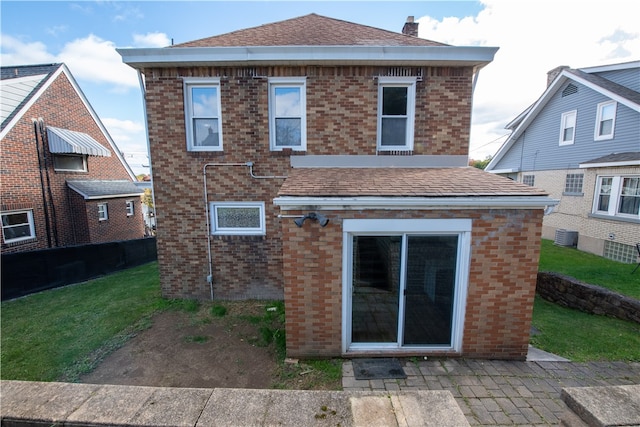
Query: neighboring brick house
[580, 141]
[64, 182]
[324, 162]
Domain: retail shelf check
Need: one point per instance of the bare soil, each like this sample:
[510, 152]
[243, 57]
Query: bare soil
[195, 349]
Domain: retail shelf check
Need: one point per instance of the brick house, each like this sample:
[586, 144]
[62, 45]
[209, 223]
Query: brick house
[64, 181]
[324, 162]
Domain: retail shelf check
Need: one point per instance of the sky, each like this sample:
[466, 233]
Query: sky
[534, 36]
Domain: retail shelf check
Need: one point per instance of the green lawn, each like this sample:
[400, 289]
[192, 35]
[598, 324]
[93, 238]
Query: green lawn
[60, 333]
[589, 268]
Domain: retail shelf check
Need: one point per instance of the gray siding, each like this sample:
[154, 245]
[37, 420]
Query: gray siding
[629, 78]
[538, 147]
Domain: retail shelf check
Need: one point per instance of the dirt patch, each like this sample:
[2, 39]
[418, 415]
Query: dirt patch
[206, 348]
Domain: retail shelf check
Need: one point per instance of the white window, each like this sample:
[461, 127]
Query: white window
[618, 196]
[568, 127]
[69, 163]
[103, 212]
[237, 218]
[202, 114]
[287, 114]
[605, 121]
[17, 226]
[130, 208]
[396, 110]
[529, 180]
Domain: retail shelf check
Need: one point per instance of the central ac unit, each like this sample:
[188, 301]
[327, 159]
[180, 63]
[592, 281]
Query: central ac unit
[566, 238]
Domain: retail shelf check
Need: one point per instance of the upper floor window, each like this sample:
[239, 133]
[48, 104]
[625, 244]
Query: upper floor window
[202, 114]
[618, 196]
[70, 163]
[17, 226]
[605, 120]
[130, 207]
[396, 111]
[287, 113]
[529, 180]
[103, 212]
[573, 183]
[568, 127]
[237, 218]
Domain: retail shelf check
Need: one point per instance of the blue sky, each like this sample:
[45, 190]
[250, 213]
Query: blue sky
[534, 36]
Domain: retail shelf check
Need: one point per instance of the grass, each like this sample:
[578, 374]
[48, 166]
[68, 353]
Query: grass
[590, 268]
[59, 334]
[582, 337]
[63, 333]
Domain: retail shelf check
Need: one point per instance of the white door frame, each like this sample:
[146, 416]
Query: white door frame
[362, 227]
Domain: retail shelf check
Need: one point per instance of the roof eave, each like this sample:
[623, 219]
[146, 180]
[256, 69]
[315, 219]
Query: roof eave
[476, 56]
[418, 203]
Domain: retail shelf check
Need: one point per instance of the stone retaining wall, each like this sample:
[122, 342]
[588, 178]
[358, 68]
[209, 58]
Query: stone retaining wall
[569, 292]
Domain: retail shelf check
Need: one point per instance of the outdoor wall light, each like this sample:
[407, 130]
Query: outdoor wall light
[323, 220]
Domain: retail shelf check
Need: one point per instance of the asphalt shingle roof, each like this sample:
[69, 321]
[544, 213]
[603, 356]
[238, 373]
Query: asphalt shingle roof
[102, 189]
[616, 157]
[310, 30]
[396, 182]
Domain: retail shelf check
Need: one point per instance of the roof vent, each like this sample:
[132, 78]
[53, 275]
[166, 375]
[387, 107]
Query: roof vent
[569, 90]
[410, 28]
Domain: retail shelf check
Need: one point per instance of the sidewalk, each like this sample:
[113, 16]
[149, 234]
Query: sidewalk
[494, 392]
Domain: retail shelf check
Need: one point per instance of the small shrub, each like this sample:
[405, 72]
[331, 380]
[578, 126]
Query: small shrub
[218, 310]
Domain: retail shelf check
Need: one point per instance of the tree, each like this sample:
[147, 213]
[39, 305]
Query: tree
[480, 164]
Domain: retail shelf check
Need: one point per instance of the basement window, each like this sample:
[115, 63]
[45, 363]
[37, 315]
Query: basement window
[237, 218]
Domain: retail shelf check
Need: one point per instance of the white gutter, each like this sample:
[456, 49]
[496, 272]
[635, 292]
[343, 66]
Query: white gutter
[278, 55]
[609, 164]
[417, 203]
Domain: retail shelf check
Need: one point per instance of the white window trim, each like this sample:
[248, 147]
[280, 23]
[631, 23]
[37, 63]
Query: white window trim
[188, 83]
[596, 131]
[563, 125]
[84, 163]
[130, 206]
[614, 198]
[228, 231]
[103, 214]
[410, 84]
[458, 226]
[299, 82]
[32, 230]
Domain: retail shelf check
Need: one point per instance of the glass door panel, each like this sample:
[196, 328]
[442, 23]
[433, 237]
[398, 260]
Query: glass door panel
[376, 289]
[430, 287]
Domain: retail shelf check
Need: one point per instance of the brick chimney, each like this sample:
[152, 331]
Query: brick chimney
[410, 28]
[552, 74]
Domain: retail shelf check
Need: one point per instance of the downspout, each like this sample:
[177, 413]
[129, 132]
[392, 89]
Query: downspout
[206, 208]
[44, 196]
[46, 174]
[146, 128]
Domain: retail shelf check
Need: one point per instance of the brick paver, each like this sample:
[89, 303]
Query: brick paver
[498, 392]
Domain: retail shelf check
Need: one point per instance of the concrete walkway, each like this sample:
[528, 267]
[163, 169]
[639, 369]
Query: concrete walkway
[507, 393]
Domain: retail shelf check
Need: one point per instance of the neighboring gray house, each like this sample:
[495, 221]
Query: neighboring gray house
[580, 141]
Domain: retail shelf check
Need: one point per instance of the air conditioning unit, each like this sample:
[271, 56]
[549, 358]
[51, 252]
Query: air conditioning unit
[566, 238]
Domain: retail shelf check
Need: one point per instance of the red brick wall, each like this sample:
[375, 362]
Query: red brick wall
[502, 281]
[341, 119]
[60, 107]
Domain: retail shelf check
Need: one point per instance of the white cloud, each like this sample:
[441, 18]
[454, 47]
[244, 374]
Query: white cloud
[130, 137]
[534, 37]
[96, 60]
[16, 52]
[151, 40]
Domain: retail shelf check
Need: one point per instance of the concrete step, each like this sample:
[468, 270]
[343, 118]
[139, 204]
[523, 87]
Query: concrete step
[605, 406]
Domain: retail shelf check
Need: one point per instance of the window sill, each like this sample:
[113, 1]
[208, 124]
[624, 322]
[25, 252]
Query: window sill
[615, 218]
[573, 194]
